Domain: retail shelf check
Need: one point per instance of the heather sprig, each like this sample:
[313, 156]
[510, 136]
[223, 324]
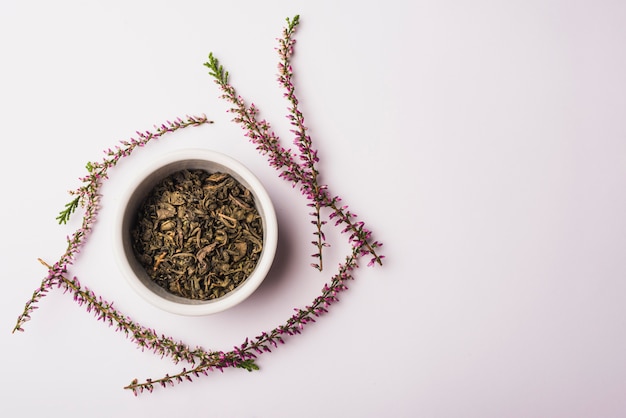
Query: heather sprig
[308, 155]
[147, 338]
[88, 197]
[305, 173]
[258, 132]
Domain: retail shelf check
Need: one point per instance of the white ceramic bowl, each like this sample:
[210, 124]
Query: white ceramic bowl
[157, 170]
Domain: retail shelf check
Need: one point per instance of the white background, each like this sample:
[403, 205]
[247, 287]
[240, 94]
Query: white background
[484, 142]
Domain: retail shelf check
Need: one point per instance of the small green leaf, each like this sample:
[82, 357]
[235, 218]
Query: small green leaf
[249, 365]
[217, 71]
[70, 208]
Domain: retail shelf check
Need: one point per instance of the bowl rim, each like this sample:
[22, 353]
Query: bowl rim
[177, 304]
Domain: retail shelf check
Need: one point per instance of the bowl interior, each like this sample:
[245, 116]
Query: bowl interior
[136, 273]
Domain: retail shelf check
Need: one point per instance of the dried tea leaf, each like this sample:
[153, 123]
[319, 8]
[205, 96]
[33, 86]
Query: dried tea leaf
[198, 234]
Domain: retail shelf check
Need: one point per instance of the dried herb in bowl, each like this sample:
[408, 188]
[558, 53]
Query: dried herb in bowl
[198, 234]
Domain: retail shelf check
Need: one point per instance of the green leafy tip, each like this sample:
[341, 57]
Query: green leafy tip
[249, 365]
[216, 70]
[70, 208]
[292, 23]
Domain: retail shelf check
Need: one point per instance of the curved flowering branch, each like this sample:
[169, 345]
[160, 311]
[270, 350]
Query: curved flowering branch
[88, 197]
[244, 355]
[302, 140]
[145, 338]
[268, 143]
